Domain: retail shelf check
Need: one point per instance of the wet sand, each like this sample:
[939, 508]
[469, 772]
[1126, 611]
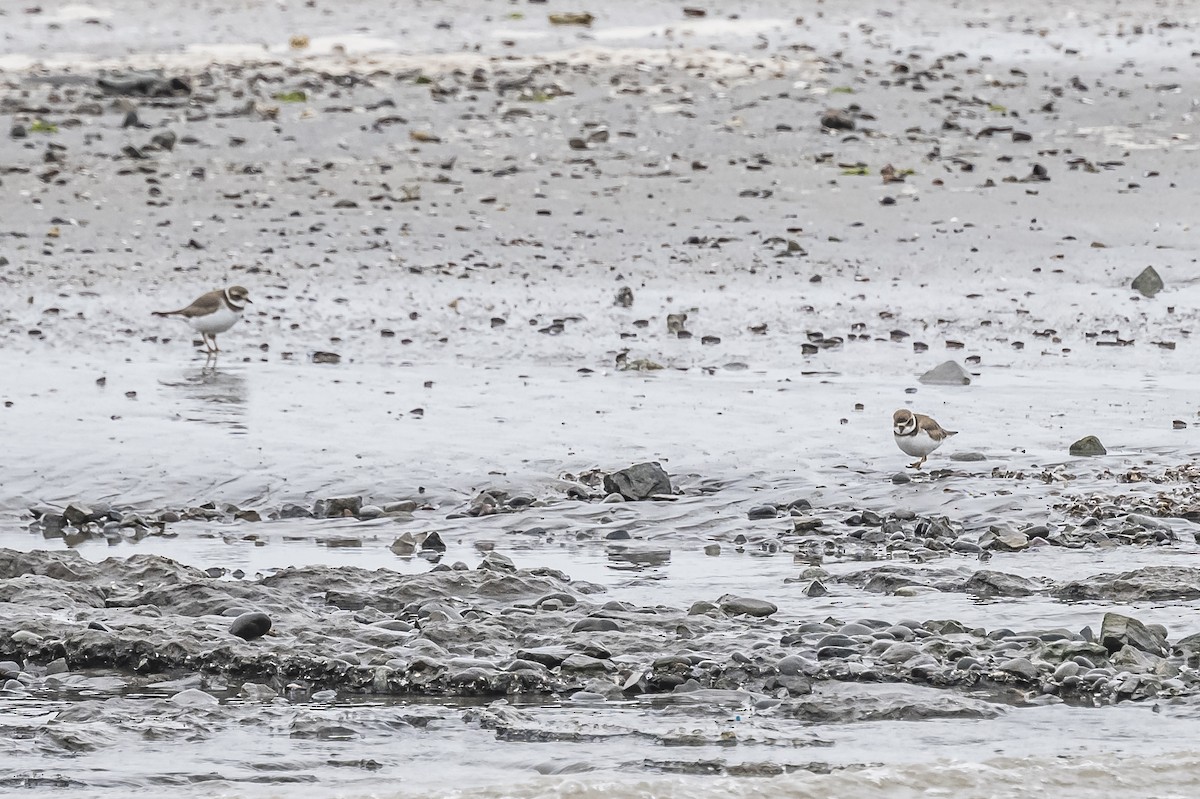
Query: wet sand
[451, 202]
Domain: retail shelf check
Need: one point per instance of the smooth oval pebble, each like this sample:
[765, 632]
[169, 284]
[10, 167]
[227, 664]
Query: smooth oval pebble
[249, 626]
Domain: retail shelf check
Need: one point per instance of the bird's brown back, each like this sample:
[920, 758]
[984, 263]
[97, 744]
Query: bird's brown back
[203, 306]
[934, 429]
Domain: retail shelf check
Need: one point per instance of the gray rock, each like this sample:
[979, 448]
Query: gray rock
[640, 481]
[985, 583]
[836, 119]
[164, 140]
[794, 685]
[1148, 283]
[404, 545]
[1008, 541]
[900, 652]
[370, 512]
[838, 640]
[550, 657]
[1118, 631]
[735, 606]
[591, 625]
[1020, 667]
[497, 562]
[815, 589]
[292, 511]
[835, 652]
[1068, 669]
[339, 506]
[794, 665]
[1148, 584]
[581, 662]
[949, 373]
[433, 542]
[1088, 447]
[249, 626]
[763, 512]
[77, 514]
[194, 697]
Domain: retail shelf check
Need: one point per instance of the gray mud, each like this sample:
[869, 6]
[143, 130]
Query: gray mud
[495, 260]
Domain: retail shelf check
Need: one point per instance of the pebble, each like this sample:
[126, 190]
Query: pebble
[249, 626]
[595, 626]
[747, 606]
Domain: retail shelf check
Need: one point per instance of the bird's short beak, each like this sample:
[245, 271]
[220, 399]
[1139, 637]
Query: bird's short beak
[249, 300]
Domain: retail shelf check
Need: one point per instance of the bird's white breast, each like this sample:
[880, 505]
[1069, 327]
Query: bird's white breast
[919, 445]
[218, 321]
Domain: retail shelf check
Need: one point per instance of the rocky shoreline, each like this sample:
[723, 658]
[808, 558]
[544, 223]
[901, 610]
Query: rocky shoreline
[497, 630]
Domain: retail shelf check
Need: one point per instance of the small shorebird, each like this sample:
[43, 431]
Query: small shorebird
[213, 313]
[918, 435]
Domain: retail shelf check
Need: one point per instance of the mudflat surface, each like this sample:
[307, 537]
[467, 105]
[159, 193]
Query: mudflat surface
[471, 237]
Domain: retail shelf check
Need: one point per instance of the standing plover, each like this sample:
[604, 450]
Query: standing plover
[918, 435]
[213, 313]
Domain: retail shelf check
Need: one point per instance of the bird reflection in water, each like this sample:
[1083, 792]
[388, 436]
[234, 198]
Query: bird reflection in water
[212, 395]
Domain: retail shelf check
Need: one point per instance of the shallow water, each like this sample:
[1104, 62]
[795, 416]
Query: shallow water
[273, 433]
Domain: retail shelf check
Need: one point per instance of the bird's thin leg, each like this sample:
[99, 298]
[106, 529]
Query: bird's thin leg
[213, 336]
[918, 464]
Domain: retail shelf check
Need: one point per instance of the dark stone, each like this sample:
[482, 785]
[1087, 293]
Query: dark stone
[1117, 631]
[835, 119]
[339, 506]
[763, 512]
[145, 85]
[249, 626]
[1148, 584]
[1148, 283]
[595, 626]
[736, 606]
[984, 583]
[640, 481]
[78, 514]
[549, 656]
[291, 511]
[434, 542]
[835, 653]
[164, 140]
[1020, 667]
[1088, 447]
[494, 561]
[948, 373]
